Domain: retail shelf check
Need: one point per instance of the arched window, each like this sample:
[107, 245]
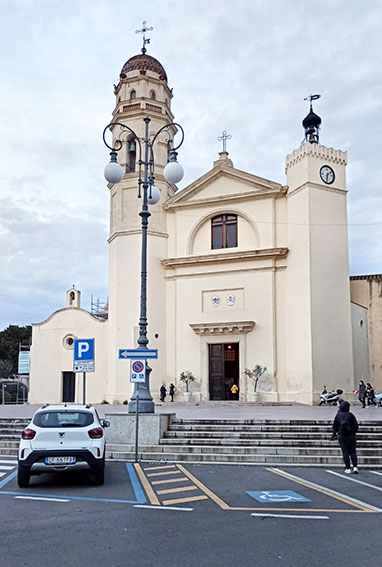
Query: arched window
[224, 231]
[152, 95]
[133, 95]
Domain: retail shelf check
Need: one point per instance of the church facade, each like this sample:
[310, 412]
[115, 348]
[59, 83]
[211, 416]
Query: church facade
[241, 271]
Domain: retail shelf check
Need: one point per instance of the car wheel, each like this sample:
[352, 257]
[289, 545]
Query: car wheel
[99, 475]
[23, 476]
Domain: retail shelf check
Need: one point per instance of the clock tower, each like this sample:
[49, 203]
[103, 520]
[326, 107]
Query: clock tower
[317, 306]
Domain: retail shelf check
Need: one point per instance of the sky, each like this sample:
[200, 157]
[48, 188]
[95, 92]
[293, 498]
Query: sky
[244, 67]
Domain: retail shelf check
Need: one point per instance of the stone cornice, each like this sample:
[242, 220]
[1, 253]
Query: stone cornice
[135, 231]
[226, 328]
[228, 198]
[318, 186]
[239, 255]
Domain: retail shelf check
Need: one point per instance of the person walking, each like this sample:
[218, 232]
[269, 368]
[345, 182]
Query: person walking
[171, 391]
[370, 394]
[163, 392]
[362, 393]
[345, 427]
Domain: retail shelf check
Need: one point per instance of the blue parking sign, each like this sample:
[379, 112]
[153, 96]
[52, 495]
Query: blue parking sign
[83, 350]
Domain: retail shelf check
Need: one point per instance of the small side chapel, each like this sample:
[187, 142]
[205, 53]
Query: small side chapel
[241, 271]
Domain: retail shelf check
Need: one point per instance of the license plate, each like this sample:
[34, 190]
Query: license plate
[60, 460]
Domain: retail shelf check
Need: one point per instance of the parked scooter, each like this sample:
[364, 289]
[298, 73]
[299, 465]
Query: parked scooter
[330, 398]
[378, 399]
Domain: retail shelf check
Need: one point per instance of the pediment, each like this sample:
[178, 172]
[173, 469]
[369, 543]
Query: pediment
[225, 183]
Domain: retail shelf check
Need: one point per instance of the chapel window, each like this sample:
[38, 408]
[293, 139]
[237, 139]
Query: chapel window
[133, 95]
[224, 231]
[153, 95]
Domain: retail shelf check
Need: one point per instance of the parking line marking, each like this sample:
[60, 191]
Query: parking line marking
[358, 482]
[163, 507]
[180, 500]
[376, 472]
[328, 491]
[204, 489]
[8, 479]
[168, 480]
[291, 516]
[2, 474]
[163, 473]
[159, 468]
[42, 498]
[179, 489]
[146, 485]
[139, 494]
[8, 462]
[4, 468]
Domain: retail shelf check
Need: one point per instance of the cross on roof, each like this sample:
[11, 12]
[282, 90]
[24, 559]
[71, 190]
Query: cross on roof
[311, 98]
[143, 31]
[223, 138]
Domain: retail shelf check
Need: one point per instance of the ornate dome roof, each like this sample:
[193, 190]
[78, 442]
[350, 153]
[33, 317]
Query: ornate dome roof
[143, 63]
[311, 119]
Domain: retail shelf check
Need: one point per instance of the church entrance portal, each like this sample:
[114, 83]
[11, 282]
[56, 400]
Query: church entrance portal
[223, 370]
[68, 387]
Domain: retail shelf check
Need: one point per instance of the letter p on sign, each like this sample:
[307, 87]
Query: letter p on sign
[83, 350]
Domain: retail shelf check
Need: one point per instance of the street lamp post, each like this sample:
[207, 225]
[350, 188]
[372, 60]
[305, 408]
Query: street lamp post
[150, 195]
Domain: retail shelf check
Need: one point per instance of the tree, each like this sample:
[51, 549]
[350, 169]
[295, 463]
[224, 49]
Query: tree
[255, 374]
[187, 377]
[10, 340]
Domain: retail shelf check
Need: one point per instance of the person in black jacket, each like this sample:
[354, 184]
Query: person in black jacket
[370, 394]
[172, 392]
[362, 393]
[345, 427]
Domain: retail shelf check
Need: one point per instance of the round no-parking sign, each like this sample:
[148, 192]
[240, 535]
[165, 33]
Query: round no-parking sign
[137, 370]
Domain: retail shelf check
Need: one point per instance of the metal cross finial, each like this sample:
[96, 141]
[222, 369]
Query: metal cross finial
[311, 98]
[144, 30]
[225, 136]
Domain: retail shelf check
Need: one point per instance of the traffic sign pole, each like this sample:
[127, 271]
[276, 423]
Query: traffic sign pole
[136, 423]
[84, 388]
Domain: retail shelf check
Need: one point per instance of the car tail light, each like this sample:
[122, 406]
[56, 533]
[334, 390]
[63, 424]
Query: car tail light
[28, 434]
[96, 433]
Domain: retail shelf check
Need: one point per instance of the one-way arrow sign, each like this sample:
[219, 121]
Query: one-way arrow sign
[125, 353]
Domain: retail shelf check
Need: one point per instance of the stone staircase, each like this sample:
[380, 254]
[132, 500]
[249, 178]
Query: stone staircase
[236, 441]
[255, 442]
[10, 431]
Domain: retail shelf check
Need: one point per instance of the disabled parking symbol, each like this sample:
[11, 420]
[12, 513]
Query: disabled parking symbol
[270, 496]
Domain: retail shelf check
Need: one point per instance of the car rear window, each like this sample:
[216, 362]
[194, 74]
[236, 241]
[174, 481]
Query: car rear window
[63, 419]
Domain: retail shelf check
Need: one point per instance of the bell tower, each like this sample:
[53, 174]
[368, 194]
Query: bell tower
[142, 91]
[317, 292]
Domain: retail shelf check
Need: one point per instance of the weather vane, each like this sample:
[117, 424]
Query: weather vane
[223, 138]
[311, 98]
[143, 31]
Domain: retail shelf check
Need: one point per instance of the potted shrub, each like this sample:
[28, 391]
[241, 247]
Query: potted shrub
[187, 377]
[255, 374]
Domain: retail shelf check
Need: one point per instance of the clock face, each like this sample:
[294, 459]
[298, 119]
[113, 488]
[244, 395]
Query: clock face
[327, 174]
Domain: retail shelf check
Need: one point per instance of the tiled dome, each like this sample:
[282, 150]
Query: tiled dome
[143, 63]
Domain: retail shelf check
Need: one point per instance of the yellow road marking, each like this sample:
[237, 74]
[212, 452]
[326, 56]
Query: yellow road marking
[162, 473]
[307, 484]
[179, 489]
[167, 480]
[204, 489]
[146, 485]
[225, 506]
[182, 500]
[159, 468]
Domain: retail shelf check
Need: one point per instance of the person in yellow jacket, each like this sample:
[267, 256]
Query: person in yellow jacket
[235, 392]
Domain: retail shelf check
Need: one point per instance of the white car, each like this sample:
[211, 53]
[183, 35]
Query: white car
[62, 438]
